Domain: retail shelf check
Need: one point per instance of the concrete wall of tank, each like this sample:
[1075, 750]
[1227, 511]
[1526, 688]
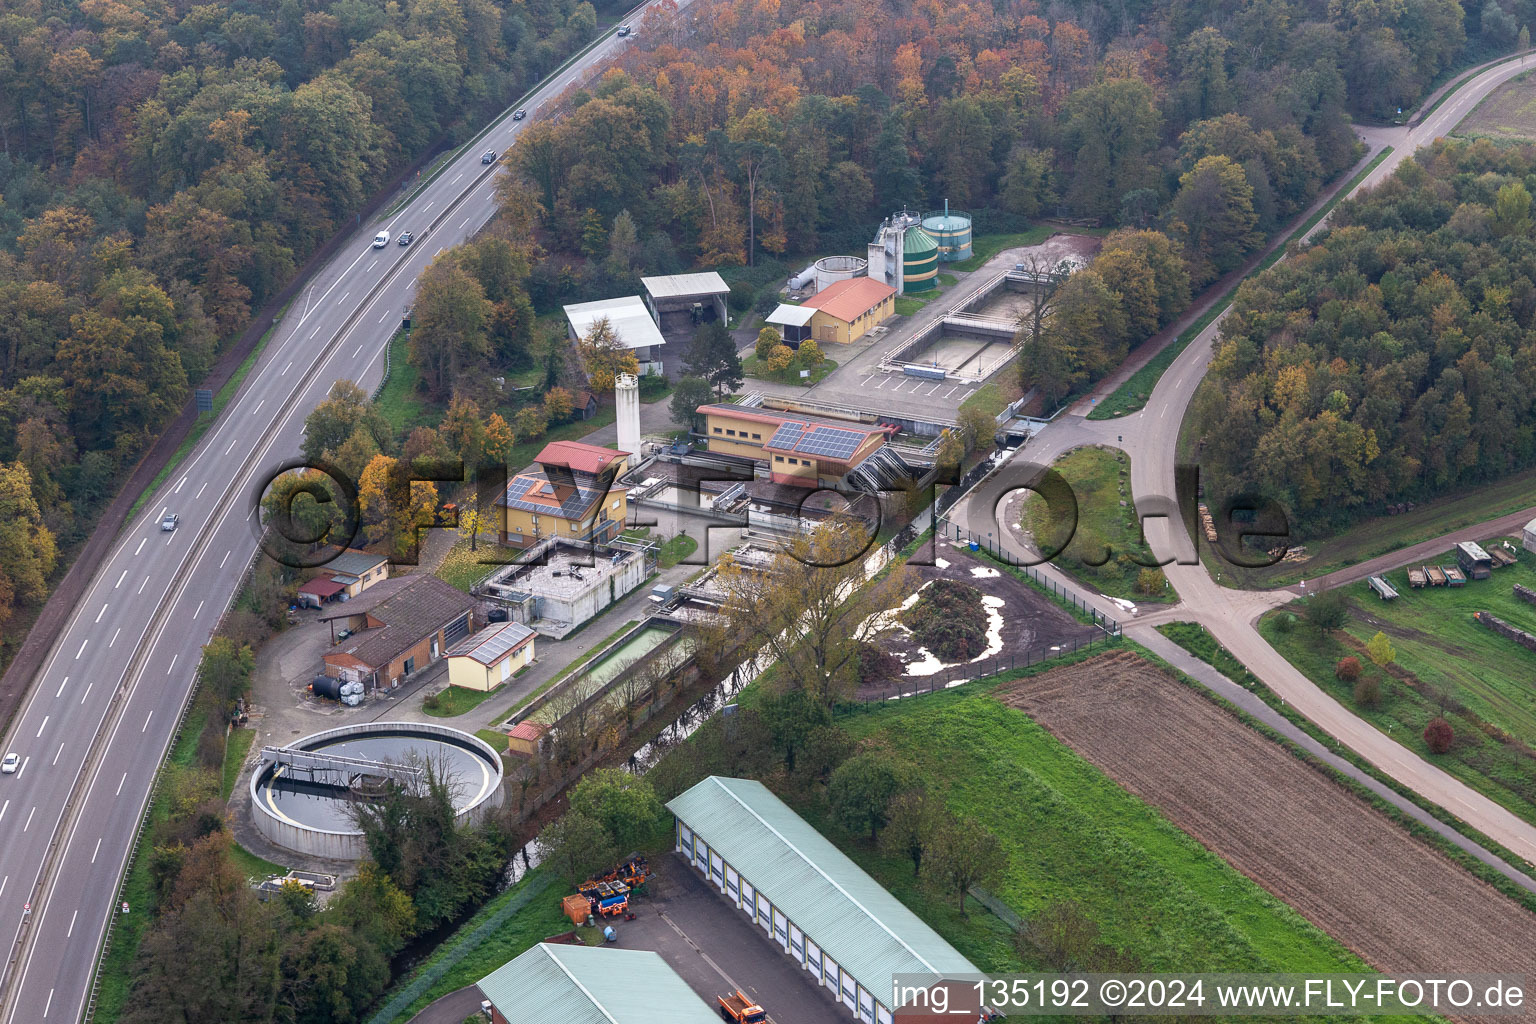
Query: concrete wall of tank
[349, 845]
[832, 269]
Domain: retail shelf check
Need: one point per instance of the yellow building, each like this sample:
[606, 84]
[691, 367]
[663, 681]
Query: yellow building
[796, 450]
[490, 657]
[571, 492]
[344, 577]
[844, 311]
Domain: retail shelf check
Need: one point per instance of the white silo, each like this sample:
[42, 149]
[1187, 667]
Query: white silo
[626, 400]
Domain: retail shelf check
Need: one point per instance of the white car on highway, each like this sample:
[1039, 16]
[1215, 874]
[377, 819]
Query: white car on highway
[10, 764]
[168, 521]
[381, 239]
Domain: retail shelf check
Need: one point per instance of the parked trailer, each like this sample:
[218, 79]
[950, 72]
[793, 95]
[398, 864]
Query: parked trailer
[1416, 577]
[1501, 557]
[1453, 576]
[1384, 590]
[1436, 575]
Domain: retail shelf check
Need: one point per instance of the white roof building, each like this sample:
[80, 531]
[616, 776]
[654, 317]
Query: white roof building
[790, 316]
[1528, 536]
[677, 293]
[631, 322]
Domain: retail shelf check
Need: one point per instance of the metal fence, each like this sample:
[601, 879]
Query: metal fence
[954, 675]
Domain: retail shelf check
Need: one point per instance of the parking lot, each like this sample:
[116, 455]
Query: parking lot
[716, 948]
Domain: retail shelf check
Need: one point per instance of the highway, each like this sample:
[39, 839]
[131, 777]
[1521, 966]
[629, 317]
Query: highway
[100, 716]
[1150, 437]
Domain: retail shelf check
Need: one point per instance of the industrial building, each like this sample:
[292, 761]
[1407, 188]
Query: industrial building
[561, 984]
[563, 584]
[490, 657]
[570, 493]
[814, 903]
[904, 255]
[843, 312]
[679, 301]
[1528, 536]
[408, 628]
[796, 449]
[631, 321]
[343, 578]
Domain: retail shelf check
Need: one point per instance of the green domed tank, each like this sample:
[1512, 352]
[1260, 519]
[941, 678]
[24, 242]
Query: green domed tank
[919, 261]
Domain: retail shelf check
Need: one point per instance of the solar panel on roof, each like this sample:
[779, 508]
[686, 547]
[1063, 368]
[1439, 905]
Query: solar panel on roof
[831, 442]
[787, 436]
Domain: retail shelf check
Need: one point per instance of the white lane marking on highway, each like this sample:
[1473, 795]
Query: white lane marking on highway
[248, 515]
[82, 648]
[343, 297]
[199, 608]
[180, 485]
[7, 878]
[102, 612]
[358, 352]
[22, 770]
[465, 224]
[424, 209]
[56, 754]
[168, 670]
[142, 585]
[146, 721]
[120, 579]
[200, 491]
[86, 694]
[29, 820]
[258, 407]
[60, 693]
[384, 317]
[70, 932]
[170, 538]
[231, 446]
[41, 728]
[49, 1004]
[371, 266]
[224, 559]
[314, 332]
[286, 369]
[120, 784]
[140, 547]
[455, 181]
[2, 818]
[114, 637]
[93, 858]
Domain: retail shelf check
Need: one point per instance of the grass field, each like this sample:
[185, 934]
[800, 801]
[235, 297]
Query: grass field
[984, 247]
[790, 375]
[402, 405]
[235, 748]
[1134, 393]
[675, 550]
[463, 568]
[1100, 480]
[1509, 112]
[1072, 833]
[1445, 662]
[454, 701]
[1380, 535]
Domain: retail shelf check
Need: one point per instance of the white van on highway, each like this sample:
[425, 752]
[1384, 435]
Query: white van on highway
[381, 239]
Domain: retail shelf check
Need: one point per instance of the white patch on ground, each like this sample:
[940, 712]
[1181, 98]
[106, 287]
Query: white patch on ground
[929, 664]
[941, 563]
[984, 572]
[1121, 603]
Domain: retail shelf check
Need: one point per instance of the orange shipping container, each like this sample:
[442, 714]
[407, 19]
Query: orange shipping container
[576, 908]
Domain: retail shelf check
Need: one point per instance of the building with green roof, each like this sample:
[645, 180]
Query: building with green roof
[814, 903]
[558, 984]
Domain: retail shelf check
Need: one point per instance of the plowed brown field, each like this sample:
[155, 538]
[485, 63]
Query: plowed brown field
[1396, 902]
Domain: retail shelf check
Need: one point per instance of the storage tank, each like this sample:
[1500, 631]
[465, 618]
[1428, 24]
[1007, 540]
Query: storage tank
[803, 280]
[832, 269]
[326, 686]
[919, 261]
[497, 615]
[951, 230]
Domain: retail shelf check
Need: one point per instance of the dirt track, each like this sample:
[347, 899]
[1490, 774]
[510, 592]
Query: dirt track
[1397, 903]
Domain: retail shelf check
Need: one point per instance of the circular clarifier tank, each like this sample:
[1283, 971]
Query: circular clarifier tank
[305, 803]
